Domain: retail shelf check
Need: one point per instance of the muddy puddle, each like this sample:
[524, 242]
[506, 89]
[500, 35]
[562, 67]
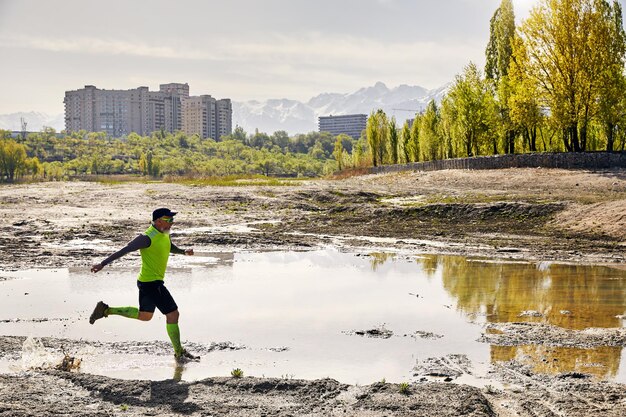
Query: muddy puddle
[357, 318]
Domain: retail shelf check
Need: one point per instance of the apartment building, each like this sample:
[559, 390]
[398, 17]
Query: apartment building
[174, 94]
[207, 117]
[224, 117]
[120, 112]
[349, 124]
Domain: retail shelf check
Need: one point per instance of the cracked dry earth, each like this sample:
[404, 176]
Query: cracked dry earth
[528, 214]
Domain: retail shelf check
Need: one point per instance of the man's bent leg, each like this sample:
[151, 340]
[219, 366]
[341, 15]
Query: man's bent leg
[130, 312]
[145, 315]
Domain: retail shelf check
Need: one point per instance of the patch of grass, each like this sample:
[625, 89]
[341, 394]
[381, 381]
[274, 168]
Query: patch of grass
[350, 172]
[265, 226]
[404, 388]
[236, 181]
[466, 199]
[124, 407]
[236, 373]
[425, 200]
[489, 389]
[108, 179]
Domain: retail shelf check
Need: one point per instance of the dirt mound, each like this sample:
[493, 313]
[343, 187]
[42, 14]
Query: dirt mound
[463, 213]
[73, 394]
[606, 218]
[534, 394]
[515, 334]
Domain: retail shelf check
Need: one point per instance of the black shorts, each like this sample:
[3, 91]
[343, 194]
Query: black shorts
[154, 294]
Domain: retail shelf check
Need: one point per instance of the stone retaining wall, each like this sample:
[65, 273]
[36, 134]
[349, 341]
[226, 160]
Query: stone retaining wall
[564, 160]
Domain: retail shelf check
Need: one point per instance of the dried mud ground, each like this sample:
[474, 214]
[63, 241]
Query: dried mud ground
[534, 214]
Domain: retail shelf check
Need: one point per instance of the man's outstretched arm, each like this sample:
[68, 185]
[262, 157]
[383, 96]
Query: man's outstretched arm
[176, 250]
[140, 242]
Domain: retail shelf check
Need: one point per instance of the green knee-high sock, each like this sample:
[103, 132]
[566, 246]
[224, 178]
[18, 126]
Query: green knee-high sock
[130, 312]
[174, 332]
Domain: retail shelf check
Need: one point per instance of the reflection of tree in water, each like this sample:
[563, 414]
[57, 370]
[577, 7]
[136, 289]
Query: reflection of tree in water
[429, 265]
[600, 361]
[379, 258]
[569, 296]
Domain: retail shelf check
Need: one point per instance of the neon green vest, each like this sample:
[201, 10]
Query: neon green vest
[154, 258]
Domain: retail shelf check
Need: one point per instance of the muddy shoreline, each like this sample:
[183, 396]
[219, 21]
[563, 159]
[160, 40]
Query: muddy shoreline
[515, 214]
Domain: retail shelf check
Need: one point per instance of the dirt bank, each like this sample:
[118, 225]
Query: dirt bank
[537, 214]
[515, 213]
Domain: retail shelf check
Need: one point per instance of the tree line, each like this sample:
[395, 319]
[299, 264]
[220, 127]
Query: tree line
[555, 83]
[44, 156]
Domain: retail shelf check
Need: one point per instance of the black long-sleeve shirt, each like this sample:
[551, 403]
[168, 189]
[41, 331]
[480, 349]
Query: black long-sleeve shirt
[140, 242]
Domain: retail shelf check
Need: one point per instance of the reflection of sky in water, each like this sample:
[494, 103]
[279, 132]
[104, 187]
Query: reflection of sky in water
[307, 301]
[96, 244]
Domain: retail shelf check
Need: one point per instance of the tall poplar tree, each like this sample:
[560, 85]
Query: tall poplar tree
[499, 49]
[338, 152]
[612, 100]
[431, 145]
[414, 143]
[472, 104]
[405, 139]
[393, 141]
[498, 58]
[524, 102]
[377, 132]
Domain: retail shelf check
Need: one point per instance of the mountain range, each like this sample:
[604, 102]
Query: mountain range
[289, 115]
[297, 117]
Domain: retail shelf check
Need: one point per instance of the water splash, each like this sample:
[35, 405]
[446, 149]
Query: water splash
[36, 356]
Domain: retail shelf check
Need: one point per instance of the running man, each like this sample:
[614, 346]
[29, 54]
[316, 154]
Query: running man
[155, 248]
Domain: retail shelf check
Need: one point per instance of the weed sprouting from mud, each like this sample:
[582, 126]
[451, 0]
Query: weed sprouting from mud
[490, 389]
[236, 373]
[404, 388]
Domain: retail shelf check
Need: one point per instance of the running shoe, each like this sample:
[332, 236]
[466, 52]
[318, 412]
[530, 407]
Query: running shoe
[98, 312]
[185, 356]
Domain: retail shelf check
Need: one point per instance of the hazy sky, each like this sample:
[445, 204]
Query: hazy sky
[241, 49]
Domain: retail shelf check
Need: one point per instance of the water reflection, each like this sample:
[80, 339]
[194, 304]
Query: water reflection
[379, 258]
[601, 362]
[568, 296]
[307, 301]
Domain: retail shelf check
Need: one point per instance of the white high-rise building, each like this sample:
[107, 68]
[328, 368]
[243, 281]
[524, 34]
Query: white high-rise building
[349, 124]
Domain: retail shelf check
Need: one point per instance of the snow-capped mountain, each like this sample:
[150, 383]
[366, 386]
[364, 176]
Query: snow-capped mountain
[35, 121]
[291, 116]
[275, 114]
[297, 117]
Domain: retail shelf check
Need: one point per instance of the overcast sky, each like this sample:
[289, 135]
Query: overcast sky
[240, 49]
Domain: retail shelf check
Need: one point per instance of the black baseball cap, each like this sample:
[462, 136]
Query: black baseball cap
[160, 212]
